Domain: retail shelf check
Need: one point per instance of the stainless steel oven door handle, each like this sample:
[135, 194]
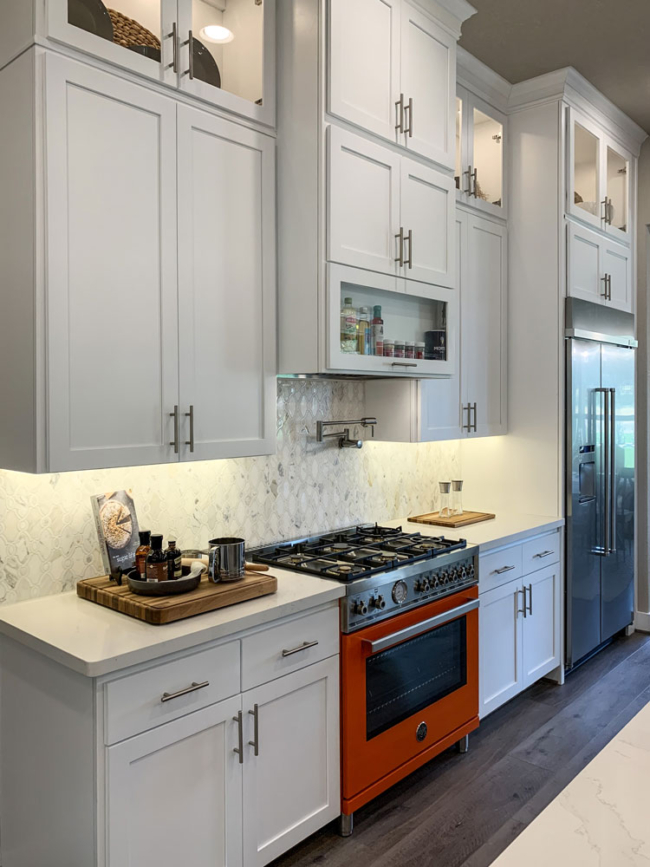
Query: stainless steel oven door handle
[420, 628]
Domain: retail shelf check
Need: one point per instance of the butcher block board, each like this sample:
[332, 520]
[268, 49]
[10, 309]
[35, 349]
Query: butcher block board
[166, 609]
[455, 521]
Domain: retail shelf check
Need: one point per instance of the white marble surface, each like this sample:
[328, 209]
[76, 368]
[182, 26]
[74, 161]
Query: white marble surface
[93, 640]
[505, 529]
[601, 818]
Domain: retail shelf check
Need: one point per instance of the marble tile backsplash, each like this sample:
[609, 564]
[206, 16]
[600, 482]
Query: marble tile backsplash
[47, 533]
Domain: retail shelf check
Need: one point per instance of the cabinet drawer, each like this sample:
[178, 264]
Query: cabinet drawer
[135, 703]
[541, 552]
[288, 647]
[500, 567]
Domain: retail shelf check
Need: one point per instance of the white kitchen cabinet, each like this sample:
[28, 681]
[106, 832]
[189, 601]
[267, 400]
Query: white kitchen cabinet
[174, 793]
[117, 379]
[598, 269]
[500, 645]
[291, 771]
[392, 71]
[183, 44]
[541, 626]
[227, 305]
[480, 154]
[388, 213]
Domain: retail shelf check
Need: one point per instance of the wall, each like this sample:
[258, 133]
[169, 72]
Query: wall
[47, 534]
[643, 384]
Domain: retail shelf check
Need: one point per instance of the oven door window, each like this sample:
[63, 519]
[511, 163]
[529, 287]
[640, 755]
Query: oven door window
[413, 675]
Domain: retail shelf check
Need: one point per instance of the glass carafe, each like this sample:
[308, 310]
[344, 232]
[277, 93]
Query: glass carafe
[457, 497]
[445, 505]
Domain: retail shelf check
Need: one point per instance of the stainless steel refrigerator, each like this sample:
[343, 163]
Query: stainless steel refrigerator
[600, 481]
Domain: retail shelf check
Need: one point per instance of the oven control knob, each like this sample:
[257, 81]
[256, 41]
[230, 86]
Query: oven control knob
[422, 586]
[471, 571]
[361, 608]
[444, 577]
[379, 603]
[435, 579]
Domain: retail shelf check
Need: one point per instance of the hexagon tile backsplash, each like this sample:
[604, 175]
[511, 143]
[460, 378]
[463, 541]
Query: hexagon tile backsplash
[47, 533]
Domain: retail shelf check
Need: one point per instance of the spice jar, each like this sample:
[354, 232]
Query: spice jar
[399, 349]
[389, 348]
[419, 349]
[409, 349]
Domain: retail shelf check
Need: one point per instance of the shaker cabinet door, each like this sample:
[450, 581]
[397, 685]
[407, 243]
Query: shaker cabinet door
[500, 641]
[226, 184]
[111, 271]
[585, 278]
[363, 60]
[617, 264]
[174, 793]
[541, 627]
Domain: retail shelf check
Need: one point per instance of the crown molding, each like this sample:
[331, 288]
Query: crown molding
[481, 80]
[449, 13]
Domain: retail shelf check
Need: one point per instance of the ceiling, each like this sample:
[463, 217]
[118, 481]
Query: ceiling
[605, 40]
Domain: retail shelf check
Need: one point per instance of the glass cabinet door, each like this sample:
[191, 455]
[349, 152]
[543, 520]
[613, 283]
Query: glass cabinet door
[586, 172]
[137, 34]
[617, 190]
[460, 146]
[227, 54]
[487, 147]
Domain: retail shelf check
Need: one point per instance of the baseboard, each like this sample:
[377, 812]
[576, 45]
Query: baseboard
[642, 621]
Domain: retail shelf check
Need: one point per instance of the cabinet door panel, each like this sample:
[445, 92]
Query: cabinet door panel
[618, 264]
[585, 270]
[500, 645]
[292, 787]
[428, 201]
[428, 77]
[585, 189]
[111, 270]
[541, 627]
[363, 57]
[363, 207]
[483, 316]
[227, 286]
[174, 793]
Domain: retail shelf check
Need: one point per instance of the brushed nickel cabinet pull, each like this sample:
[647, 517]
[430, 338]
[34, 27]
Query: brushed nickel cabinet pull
[399, 114]
[524, 609]
[475, 184]
[190, 43]
[603, 205]
[174, 442]
[409, 239]
[504, 569]
[400, 246]
[544, 554]
[530, 599]
[255, 743]
[240, 737]
[174, 37]
[169, 696]
[474, 426]
[190, 442]
[404, 364]
[409, 108]
[605, 280]
[469, 180]
[300, 649]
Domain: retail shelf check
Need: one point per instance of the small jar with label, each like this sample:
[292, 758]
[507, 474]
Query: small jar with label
[419, 350]
[399, 349]
[389, 348]
[174, 562]
[409, 349]
[156, 569]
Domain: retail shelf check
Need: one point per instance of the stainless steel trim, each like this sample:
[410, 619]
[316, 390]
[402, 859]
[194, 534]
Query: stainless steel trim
[543, 554]
[612, 471]
[399, 114]
[305, 646]
[175, 441]
[530, 599]
[590, 320]
[469, 178]
[523, 610]
[404, 364]
[170, 696]
[190, 442]
[420, 628]
[504, 569]
[626, 342]
[255, 743]
[409, 238]
[400, 239]
[409, 108]
[240, 737]
[174, 37]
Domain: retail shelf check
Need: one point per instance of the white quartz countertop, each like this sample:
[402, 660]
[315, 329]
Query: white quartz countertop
[601, 818]
[93, 640]
[505, 529]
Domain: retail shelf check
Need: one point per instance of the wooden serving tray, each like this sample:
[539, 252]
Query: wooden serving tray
[455, 521]
[166, 609]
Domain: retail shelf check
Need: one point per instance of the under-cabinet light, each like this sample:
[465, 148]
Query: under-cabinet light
[217, 33]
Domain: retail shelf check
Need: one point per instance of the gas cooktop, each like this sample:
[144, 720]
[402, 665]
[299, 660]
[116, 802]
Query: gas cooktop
[358, 552]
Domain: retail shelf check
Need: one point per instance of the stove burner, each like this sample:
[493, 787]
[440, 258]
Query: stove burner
[358, 554]
[379, 532]
[294, 559]
[337, 548]
[344, 571]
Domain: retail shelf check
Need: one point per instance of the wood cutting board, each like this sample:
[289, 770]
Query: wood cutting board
[158, 610]
[455, 521]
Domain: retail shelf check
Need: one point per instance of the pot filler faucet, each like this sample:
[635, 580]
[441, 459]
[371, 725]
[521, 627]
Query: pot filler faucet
[345, 441]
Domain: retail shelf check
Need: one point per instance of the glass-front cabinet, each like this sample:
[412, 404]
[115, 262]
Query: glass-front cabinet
[598, 177]
[480, 154]
[221, 51]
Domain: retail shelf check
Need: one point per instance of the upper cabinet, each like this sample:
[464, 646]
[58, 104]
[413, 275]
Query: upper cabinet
[599, 177]
[480, 154]
[221, 51]
[392, 71]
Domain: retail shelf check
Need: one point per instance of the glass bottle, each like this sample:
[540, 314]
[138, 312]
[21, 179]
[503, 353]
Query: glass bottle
[457, 497]
[377, 331]
[157, 561]
[174, 562]
[363, 331]
[142, 552]
[348, 327]
[445, 507]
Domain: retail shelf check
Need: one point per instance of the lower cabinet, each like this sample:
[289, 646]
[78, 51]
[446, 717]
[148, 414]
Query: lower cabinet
[237, 783]
[520, 638]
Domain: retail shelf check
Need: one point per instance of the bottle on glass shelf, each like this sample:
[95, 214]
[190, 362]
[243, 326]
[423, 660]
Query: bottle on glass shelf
[174, 562]
[363, 331]
[157, 561]
[445, 505]
[142, 552]
[377, 331]
[456, 496]
[389, 348]
[348, 327]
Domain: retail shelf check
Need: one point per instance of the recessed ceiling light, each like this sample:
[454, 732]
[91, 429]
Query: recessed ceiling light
[217, 33]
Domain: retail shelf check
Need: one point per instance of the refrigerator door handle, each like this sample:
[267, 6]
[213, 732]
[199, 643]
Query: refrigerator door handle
[606, 500]
[612, 472]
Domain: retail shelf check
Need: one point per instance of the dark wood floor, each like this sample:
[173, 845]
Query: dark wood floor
[464, 810]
